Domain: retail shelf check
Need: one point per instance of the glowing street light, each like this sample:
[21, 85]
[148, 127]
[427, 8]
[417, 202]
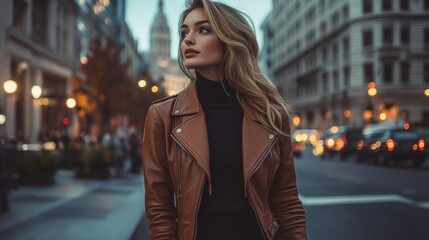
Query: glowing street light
[427, 92]
[71, 102]
[142, 83]
[10, 86]
[155, 89]
[296, 120]
[2, 119]
[36, 91]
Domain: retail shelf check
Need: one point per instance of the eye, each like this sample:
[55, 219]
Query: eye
[183, 34]
[205, 30]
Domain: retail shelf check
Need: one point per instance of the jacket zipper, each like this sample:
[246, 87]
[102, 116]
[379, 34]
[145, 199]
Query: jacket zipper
[248, 181]
[269, 178]
[180, 186]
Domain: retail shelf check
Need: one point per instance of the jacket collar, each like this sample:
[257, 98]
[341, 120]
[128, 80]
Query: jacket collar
[256, 139]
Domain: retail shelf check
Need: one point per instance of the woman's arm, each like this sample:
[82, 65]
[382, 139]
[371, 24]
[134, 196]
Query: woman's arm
[284, 200]
[159, 193]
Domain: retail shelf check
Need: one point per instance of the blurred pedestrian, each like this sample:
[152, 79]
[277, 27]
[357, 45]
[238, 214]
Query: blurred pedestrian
[135, 156]
[217, 157]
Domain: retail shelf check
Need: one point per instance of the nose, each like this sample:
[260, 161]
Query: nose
[189, 40]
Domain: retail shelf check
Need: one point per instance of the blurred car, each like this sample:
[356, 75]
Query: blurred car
[340, 140]
[297, 148]
[386, 145]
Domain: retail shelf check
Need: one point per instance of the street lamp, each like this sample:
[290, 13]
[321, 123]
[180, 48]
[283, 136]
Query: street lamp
[296, 121]
[155, 89]
[71, 103]
[427, 92]
[36, 91]
[10, 86]
[142, 83]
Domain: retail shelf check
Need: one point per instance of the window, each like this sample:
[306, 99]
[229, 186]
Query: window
[336, 80]
[387, 35]
[346, 72]
[335, 20]
[405, 72]
[426, 6]
[426, 73]
[335, 52]
[19, 9]
[426, 38]
[367, 6]
[325, 82]
[346, 46]
[405, 5]
[405, 35]
[39, 21]
[325, 54]
[368, 72]
[323, 28]
[388, 73]
[387, 5]
[367, 38]
[321, 6]
[346, 12]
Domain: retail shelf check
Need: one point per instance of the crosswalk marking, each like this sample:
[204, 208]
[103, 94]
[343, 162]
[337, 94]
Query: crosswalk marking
[356, 199]
[423, 205]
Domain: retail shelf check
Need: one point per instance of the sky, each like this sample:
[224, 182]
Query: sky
[140, 14]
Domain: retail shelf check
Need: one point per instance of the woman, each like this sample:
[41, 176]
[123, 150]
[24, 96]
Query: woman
[217, 156]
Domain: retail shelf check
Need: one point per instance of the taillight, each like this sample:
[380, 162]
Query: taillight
[341, 142]
[329, 143]
[421, 145]
[390, 145]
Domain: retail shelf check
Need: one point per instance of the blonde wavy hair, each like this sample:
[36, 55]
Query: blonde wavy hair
[240, 62]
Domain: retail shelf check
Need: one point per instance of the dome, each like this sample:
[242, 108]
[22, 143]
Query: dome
[160, 21]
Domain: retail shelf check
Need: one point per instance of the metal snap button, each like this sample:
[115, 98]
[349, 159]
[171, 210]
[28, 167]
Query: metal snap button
[271, 136]
[179, 130]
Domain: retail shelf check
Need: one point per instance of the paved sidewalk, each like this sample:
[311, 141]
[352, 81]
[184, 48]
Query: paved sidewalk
[75, 209]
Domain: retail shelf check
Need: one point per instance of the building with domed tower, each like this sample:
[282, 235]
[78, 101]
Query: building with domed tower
[163, 68]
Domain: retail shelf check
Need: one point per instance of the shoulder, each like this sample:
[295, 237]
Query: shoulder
[164, 105]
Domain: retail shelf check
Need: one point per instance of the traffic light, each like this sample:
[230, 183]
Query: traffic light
[372, 91]
[66, 121]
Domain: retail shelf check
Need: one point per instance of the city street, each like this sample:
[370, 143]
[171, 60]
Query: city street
[347, 200]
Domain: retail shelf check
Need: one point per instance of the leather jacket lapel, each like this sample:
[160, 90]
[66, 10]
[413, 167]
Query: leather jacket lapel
[257, 141]
[191, 133]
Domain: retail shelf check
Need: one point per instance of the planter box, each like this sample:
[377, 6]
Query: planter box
[36, 167]
[95, 163]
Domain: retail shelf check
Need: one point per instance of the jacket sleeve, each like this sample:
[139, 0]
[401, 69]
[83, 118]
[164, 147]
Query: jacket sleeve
[284, 200]
[159, 192]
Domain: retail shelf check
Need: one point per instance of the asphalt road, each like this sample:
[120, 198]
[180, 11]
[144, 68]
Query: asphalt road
[363, 201]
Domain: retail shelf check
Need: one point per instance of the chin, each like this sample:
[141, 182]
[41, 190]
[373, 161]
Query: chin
[191, 65]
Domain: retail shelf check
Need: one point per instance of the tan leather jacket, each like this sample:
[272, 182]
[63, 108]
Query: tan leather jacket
[176, 165]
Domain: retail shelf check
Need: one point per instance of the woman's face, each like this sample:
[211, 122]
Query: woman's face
[201, 48]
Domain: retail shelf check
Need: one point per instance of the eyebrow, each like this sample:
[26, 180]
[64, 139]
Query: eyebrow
[196, 24]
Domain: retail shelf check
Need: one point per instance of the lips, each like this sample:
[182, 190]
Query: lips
[190, 52]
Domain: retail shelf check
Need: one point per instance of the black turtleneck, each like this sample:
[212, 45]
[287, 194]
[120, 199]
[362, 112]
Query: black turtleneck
[226, 214]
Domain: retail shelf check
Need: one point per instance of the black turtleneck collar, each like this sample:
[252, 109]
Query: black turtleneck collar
[212, 92]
